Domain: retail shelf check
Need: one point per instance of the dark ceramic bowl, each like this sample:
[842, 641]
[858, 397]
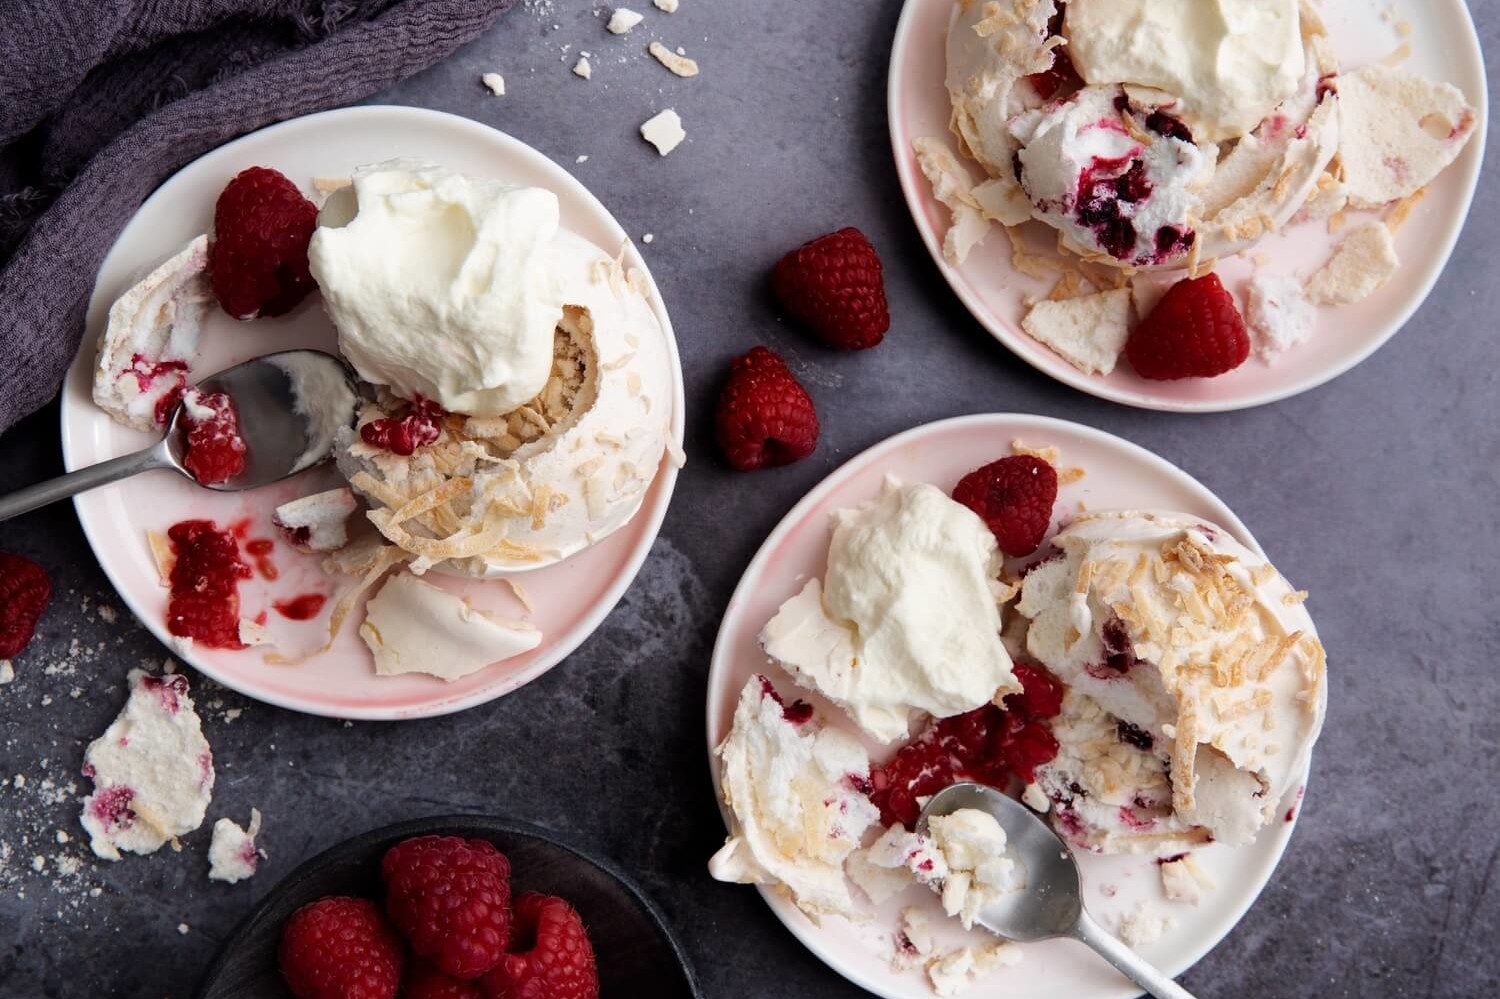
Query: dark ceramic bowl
[637, 953]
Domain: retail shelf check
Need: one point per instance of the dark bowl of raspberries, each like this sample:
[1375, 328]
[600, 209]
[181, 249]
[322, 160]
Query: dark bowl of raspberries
[461, 907]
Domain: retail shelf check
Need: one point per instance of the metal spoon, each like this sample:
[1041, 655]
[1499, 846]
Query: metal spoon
[1051, 905]
[289, 404]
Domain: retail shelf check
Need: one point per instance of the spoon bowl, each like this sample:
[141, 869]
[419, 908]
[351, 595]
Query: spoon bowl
[1053, 899]
[1051, 903]
[290, 407]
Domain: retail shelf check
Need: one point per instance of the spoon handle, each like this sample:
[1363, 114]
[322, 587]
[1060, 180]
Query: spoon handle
[1126, 961]
[28, 499]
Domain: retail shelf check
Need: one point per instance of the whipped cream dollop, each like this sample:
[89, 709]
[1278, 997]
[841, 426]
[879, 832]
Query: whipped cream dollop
[438, 285]
[905, 619]
[1228, 62]
[1200, 650]
[795, 809]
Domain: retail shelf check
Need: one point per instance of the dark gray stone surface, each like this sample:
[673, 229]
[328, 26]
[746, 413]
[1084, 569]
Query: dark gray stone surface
[1376, 492]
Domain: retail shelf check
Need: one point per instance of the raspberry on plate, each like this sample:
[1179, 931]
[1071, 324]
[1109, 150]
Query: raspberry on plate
[1195, 331]
[258, 259]
[1014, 496]
[834, 286]
[25, 591]
[551, 955]
[450, 898]
[423, 981]
[340, 948]
[765, 417]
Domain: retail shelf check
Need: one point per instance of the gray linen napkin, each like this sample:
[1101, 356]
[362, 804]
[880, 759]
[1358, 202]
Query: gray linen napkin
[102, 100]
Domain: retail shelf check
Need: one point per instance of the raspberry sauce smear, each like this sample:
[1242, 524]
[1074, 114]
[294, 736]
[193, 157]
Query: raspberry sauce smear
[205, 600]
[989, 745]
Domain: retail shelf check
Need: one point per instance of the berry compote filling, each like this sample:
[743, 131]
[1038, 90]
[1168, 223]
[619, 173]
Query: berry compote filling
[205, 599]
[988, 745]
[1164, 124]
[301, 608]
[168, 688]
[146, 373]
[112, 807]
[1103, 187]
[215, 448]
[260, 549]
[1119, 651]
[1061, 74]
[796, 712]
[404, 434]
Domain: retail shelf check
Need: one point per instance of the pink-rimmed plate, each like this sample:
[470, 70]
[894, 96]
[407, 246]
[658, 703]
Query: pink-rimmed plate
[1444, 46]
[1118, 475]
[571, 598]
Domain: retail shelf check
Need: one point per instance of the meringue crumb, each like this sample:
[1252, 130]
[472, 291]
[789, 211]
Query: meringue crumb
[1293, 599]
[679, 64]
[1361, 263]
[495, 83]
[183, 928]
[521, 595]
[582, 159]
[7, 672]
[583, 68]
[1142, 927]
[648, 238]
[666, 6]
[664, 131]
[1399, 55]
[622, 20]
[1394, 219]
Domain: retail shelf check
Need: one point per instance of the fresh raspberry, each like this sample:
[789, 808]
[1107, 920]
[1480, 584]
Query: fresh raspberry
[551, 956]
[833, 286]
[423, 981]
[258, 258]
[25, 592]
[340, 948]
[450, 898]
[765, 418]
[1195, 331]
[1014, 496]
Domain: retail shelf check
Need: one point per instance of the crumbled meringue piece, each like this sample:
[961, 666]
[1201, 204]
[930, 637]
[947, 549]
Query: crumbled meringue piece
[233, 855]
[664, 131]
[152, 769]
[1362, 262]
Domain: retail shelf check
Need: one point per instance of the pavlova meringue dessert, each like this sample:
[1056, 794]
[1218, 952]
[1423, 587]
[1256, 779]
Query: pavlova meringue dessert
[1195, 683]
[1144, 130]
[517, 400]
[1155, 135]
[523, 384]
[1145, 680]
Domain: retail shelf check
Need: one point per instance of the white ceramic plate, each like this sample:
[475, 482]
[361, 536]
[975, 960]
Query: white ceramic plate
[571, 598]
[1118, 475]
[1444, 47]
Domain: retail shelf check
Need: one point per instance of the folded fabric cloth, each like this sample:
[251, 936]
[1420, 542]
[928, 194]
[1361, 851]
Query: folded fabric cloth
[102, 100]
